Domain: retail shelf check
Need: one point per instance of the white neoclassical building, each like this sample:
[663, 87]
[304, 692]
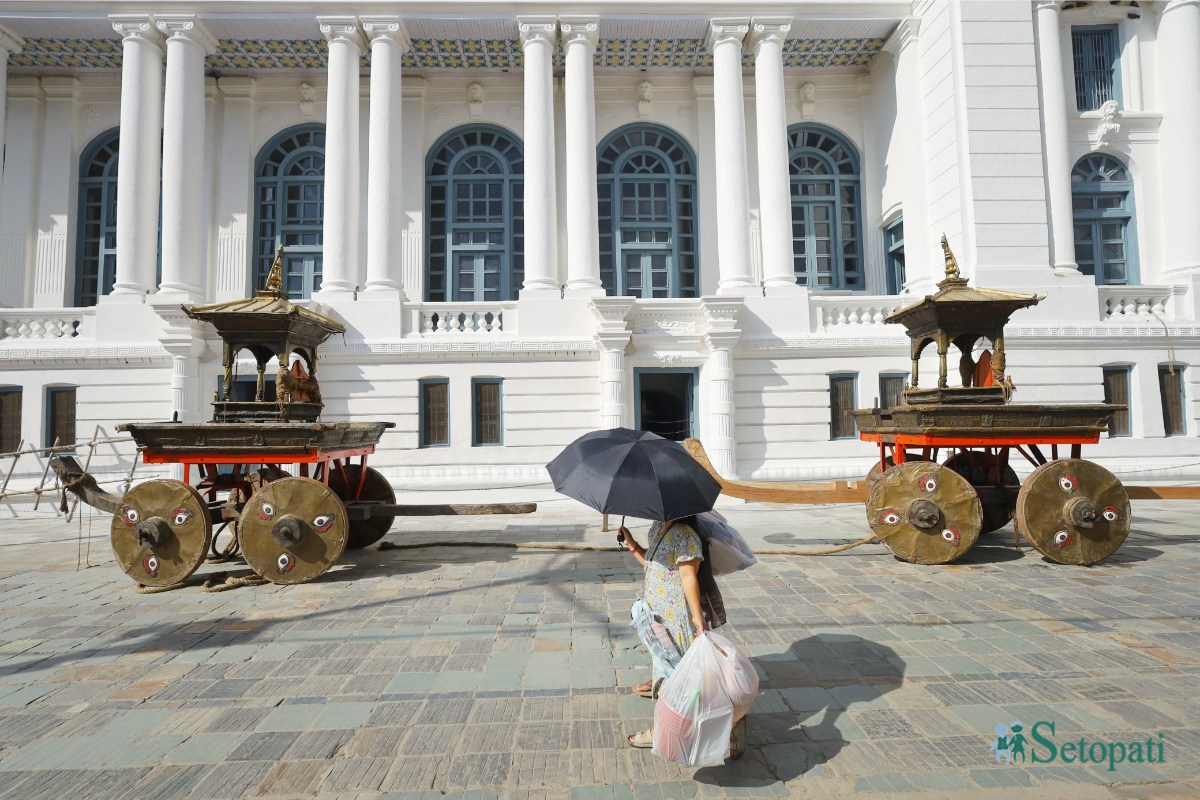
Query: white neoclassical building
[691, 218]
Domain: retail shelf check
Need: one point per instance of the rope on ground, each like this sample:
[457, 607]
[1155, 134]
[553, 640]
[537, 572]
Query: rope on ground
[597, 548]
[216, 582]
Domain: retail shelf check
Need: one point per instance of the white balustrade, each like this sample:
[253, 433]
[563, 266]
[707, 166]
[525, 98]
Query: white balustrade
[1134, 302]
[847, 312]
[440, 319]
[30, 323]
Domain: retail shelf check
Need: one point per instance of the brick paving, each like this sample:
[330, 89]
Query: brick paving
[492, 672]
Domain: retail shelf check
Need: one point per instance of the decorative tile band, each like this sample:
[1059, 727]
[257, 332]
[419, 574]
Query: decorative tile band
[448, 54]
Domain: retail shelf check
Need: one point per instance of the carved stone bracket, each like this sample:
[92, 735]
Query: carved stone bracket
[808, 100]
[645, 95]
[475, 99]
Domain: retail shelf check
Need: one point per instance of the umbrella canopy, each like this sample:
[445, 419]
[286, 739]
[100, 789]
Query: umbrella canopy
[635, 473]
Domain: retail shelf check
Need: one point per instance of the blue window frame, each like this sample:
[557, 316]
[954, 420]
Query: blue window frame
[96, 237]
[60, 415]
[1096, 54]
[1117, 381]
[487, 411]
[1103, 214]
[843, 391]
[10, 418]
[826, 209]
[893, 254]
[474, 211]
[434, 412]
[646, 181]
[289, 208]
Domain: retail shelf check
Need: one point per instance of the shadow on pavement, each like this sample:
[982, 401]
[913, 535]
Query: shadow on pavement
[818, 679]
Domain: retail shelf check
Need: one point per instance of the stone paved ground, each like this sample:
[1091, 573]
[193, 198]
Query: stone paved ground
[493, 672]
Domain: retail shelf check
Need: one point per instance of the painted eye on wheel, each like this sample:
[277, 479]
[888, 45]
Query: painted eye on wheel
[285, 563]
[1067, 482]
[130, 515]
[889, 516]
[150, 564]
[928, 483]
[322, 522]
[1062, 539]
[951, 535]
[266, 511]
[181, 515]
[1110, 513]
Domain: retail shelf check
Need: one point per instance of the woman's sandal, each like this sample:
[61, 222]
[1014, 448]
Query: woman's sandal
[737, 740]
[644, 689]
[641, 739]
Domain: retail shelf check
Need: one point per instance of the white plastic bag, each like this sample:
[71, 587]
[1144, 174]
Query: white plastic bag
[737, 674]
[694, 715]
[727, 550]
[655, 638]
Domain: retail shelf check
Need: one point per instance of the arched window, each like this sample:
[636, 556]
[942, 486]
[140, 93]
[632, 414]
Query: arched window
[289, 208]
[96, 249]
[474, 204]
[1102, 203]
[646, 178]
[826, 210]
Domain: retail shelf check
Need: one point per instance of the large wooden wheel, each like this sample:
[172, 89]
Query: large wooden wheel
[979, 468]
[1073, 511]
[161, 532]
[292, 530]
[375, 489]
[874, 473]
[924, 513]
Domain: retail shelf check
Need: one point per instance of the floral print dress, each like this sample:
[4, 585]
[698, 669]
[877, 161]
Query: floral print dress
[663, 589]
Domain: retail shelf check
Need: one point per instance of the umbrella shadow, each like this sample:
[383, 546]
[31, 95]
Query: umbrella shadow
[804, 725]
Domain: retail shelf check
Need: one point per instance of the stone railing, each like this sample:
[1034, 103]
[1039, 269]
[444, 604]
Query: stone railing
[1135, 302]
[852, 312]
[38, 323]
[488, 319]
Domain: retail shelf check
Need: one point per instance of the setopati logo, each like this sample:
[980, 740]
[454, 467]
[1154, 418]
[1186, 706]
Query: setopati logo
[1041, 746]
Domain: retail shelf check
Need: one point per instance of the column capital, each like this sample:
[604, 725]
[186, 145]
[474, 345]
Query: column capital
[537, 29]
[726, 29]
[1171, 5]
[1048, 5]
[579, 29]
[236, 86]
[389, 27]
[905, 34]
[768, 29]
[9, 41]
[186, 27]
[139, 27]
[341, 29]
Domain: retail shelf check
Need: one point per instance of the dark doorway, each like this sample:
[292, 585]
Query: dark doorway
[666, 402]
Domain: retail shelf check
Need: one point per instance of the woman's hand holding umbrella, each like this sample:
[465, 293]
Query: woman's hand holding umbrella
[638, 551]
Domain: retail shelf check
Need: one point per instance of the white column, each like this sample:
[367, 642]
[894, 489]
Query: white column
[385, 211]
[583, 233]
[538, 38]
[234, 261]
[20, 190]
[721, 315]
[612, 336]
[1054, 128]
[733, 193]
[141, 138]
[183, 168]
[1179, 93]
[909, 127]
[54, 285]
[9, 43]
[774, 190]
[340, 229]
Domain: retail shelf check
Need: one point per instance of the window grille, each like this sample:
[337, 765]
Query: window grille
[289, 189]
[1096, 54]
[96, 251]
[1116, 391]
[486, 411]
[1103, 217]
[1170, 390]
[891, 390]
[60, 416]
[434, 419]
[10, 419]
[826, 209]
[893, 247]
[841, 403]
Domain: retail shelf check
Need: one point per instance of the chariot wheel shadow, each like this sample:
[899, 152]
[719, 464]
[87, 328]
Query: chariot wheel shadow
[818, 680]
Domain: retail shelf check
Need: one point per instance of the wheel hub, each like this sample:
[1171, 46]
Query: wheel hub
[924, 514]
[288, 530]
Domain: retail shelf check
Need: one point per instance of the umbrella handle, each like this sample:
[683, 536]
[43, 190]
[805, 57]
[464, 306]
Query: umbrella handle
[621, 536]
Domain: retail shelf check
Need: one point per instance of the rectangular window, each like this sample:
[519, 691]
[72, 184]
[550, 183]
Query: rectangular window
[1170, 389]
[841, 403]
[435, 413]
[10, 419]
[486, 412]
[1116, 391]
[1095, 51]
[60, 416]
[893, 245]
[891, 390]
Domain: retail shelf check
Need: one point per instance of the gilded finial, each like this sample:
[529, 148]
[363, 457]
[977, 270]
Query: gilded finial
[274, 284]
[952, 273]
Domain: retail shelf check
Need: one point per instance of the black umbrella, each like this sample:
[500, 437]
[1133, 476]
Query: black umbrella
[635, 473]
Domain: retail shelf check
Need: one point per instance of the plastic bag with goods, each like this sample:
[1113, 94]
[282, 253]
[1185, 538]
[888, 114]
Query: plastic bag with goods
[737, 674]
[655, 638]
[694, 714]
[728, 551]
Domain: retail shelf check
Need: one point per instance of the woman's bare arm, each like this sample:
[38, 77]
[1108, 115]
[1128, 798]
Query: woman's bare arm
[689, 576]
[638, 551]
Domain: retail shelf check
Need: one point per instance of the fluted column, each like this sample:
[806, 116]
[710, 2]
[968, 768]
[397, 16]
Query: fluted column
[1054, 128]
[612, 337]
[9, 43]
[1179, 46]
[183, 168]
[579, 36]
[725, 38]
[538, 38]
[141, 141]
[340, 231]
[385, 211]
[774, 178]
[721, 316]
